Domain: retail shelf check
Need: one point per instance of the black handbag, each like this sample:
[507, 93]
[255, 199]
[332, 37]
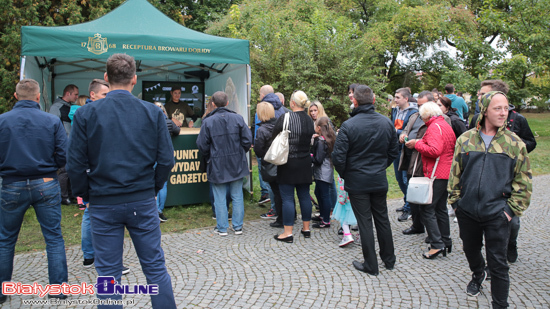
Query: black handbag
[268, 172]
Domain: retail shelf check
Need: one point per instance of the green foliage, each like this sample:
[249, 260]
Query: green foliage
[306, 46]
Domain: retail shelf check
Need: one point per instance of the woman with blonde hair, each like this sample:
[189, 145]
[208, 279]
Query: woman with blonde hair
[262, 142]
[296, 174]
[316, 110]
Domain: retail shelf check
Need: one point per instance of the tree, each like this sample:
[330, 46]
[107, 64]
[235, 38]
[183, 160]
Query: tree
[305, 46]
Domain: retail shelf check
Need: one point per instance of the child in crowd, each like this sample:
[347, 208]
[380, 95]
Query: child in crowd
[323, 171]
[343, 213]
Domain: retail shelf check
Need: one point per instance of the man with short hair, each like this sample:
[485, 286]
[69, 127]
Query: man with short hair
[61, 108]
[281, 97]
[489, 184]
[400, 117]
[224, 140]
[112, 165]
[518, 124]
[365, 147]
[457, 102]
[33, 149]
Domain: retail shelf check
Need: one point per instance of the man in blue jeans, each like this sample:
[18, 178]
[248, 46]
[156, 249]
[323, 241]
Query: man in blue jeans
[33, 149]
[112, 164]
[224, 141]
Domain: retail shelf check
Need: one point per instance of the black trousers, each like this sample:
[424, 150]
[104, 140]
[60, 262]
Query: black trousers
[64, 183]
[436, 218]
[278, 201]
[415, 212]
[497, 232]
[366, 208]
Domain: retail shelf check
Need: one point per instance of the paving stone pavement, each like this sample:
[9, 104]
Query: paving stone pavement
[254, 271]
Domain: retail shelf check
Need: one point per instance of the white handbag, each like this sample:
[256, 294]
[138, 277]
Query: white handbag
[420, 189]
[277, 153]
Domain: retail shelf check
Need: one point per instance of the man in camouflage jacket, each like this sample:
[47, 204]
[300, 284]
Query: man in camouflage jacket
[489, 184]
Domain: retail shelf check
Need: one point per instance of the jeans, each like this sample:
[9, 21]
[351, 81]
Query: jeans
[436, 218]
[367, 207]
[324, 199]
[332, 194]
[213, 200]
[86, 236]
[161, 197]
[496, 232]
[401, 177]
[220, 193]
[287, 195]
[46, 200]
[142, 222]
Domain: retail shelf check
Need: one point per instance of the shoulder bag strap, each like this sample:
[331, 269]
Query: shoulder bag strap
[415, 161]
[285, 123]
[436, 161]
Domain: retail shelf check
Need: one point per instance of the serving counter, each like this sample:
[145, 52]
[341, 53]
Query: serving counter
[186, 183]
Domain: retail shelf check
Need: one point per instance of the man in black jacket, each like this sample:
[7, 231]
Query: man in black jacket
[519, 125]
[366, 145]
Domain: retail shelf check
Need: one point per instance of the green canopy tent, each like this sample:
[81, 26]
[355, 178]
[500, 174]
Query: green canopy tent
[166, 54]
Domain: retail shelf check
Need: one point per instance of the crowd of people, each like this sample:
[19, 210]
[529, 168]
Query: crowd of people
[483, 173]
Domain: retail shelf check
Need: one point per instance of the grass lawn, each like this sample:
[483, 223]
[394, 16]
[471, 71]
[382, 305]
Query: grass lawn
[182, 218]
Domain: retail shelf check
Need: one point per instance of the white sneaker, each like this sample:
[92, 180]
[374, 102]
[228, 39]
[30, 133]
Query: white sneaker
[220, 233]
[455, 220]
[348, 239]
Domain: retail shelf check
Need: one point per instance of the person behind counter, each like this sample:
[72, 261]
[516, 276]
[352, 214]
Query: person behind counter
[179, 111]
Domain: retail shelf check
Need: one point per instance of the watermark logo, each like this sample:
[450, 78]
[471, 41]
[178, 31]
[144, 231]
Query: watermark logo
[107, 285]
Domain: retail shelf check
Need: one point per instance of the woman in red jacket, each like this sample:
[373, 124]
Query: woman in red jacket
[437, 143]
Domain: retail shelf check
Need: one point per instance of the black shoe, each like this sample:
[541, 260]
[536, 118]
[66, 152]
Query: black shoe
[276, 224]
[406, 215]
[65, 201]
[59, 296]
[288, 239]
[400, 209]
[264, 199]
[88, 263]
[125, 270]
[340, 231]
[412, 231]
[3, 299]
[512, 254]
[162, 217]
[474, 287]
[361, 267]
[307, 234]
[321, 225]
[432, 256]
[389, 266]
[316, 219]
[449, 248]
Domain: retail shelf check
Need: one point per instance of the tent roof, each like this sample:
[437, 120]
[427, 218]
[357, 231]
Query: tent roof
[138, 29]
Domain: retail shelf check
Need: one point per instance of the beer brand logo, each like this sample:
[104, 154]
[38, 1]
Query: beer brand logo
[97, 44]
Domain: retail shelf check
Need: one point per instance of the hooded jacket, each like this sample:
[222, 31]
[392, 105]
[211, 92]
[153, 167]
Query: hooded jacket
[322, 164]
[458, 103]
[365, 146]
[518, 124]
[400, 118]
[277, 105]
[224, 140]
[484, 182]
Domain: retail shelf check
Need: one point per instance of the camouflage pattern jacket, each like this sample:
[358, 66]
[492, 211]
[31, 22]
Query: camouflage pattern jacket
[485, 182]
